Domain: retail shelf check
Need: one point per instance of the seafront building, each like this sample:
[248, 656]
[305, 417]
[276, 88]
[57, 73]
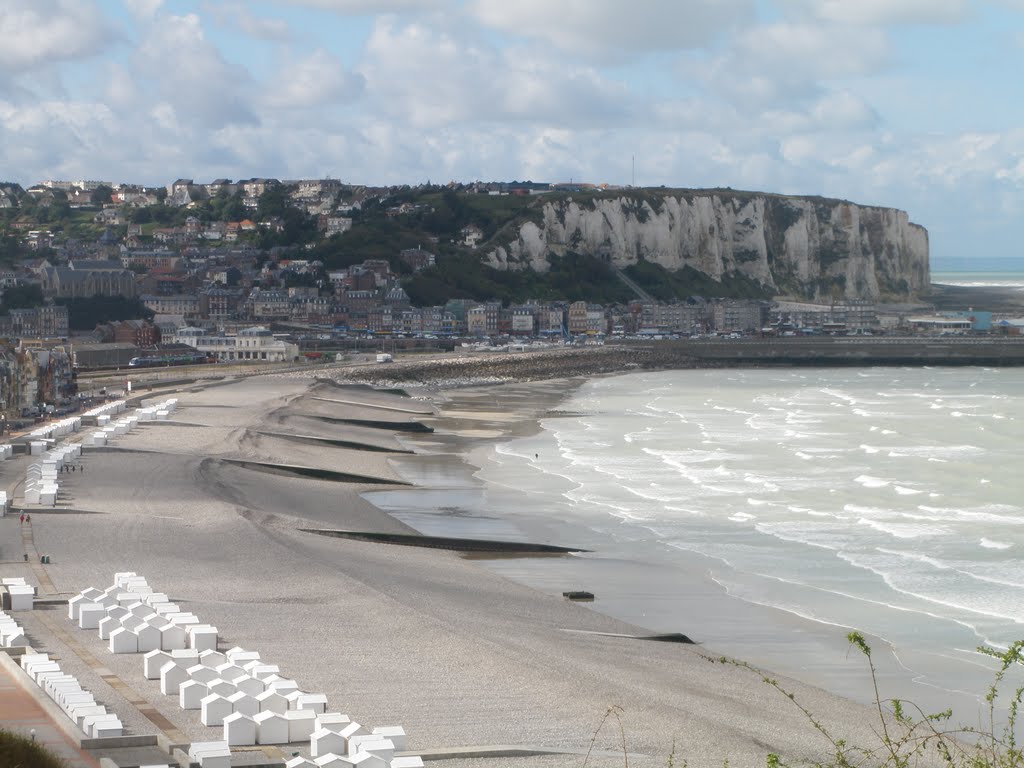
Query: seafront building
[249, 344]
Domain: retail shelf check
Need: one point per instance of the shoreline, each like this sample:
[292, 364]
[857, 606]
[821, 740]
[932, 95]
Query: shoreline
[785, 641]
[438, 643]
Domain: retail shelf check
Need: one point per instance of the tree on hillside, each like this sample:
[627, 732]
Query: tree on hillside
[273, 202]
[101, 195]
[84, 314]
[140, 215]
[11, 248]
[234, 209]
[21, 297]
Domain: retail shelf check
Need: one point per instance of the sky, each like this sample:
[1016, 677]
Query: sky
[913, 104]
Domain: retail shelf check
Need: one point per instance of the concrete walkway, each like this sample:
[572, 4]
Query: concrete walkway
[20, 713]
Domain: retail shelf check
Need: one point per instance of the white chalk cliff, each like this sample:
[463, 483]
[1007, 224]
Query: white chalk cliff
[791, 245]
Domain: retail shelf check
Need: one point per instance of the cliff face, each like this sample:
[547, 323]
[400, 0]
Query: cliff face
[798, 246]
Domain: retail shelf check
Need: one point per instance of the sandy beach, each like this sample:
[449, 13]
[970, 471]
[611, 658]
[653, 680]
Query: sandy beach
[424, 638]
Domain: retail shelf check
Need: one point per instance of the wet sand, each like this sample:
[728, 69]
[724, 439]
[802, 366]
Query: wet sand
[438, 643]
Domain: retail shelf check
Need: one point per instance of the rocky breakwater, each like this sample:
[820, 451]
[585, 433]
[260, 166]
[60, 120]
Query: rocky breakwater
[502, 367]
[808, 247]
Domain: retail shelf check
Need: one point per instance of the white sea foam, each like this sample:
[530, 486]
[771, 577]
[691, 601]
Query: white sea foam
[857, 509]
[990, 544]
[904, 491]
[788, 448]
[998, 514]
[903, 530]
[871, 482]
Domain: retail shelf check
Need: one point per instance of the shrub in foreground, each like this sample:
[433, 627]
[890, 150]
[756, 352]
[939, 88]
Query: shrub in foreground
[907, 735]
[17, 751]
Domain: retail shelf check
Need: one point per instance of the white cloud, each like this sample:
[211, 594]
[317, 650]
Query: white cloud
[143, 9]
[811, 52]
[121, 91]
[38, 32]
[427, 77]
[843, 110]
[53, 137]
[372, 7]
[612, 29]
[237, 16]
[318, 80]
[191, 74]
[884, 12]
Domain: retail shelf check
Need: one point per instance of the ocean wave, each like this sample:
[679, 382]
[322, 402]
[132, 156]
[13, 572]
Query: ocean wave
[858, 509]
[990, 544]
[917, 557]
[1002, 514]
[820, 535]
[677, 458]
[766, 484]
[760, 475]
[996, 604]
[871, 482]
[734, 590]
[647, 434]
[939, 451]
[687, 510]
[904, 530]
[904, 491]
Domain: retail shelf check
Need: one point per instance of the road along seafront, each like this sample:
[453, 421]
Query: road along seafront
[210, 506]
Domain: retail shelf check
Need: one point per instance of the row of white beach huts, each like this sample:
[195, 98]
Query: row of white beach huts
[42, 482]
[235, 690]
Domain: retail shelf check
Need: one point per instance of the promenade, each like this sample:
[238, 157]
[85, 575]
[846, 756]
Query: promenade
[20, 713]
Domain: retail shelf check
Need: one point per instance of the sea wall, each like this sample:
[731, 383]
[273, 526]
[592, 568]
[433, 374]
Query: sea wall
[567, 362]
[800, 246]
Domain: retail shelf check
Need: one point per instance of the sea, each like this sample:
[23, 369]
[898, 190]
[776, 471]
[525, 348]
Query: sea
[978, 272]
[766, 513]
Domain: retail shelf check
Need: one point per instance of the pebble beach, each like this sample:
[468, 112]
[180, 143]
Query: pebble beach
[205, 507]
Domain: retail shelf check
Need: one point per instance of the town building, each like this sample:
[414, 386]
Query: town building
[48, 322]
[85, 278]
[256, 343]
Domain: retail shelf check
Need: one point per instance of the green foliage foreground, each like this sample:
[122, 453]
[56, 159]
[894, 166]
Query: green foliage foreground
[907, 736]
[20, 752]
